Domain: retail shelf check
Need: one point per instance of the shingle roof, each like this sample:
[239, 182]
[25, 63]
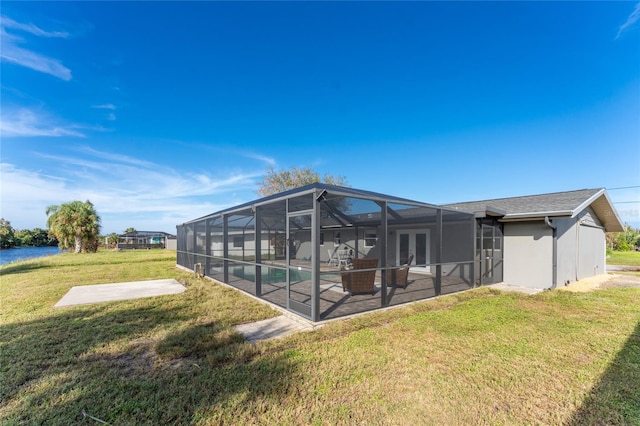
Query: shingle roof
[145, 234]
[568, 203]
[541, 203]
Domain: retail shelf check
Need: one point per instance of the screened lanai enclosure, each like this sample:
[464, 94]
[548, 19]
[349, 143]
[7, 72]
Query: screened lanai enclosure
[324, 251]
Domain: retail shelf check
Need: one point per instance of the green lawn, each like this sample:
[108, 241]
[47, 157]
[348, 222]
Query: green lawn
[480, 357]
[631, 258]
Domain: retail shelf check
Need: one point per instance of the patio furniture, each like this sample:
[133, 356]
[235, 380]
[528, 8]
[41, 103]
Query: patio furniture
[333, 258]
[344, 257]
[400, 276]
[356, 281]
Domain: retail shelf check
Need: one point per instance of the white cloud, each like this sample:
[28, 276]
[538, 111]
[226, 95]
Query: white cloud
[11, 52]
[631, 20]
[111, 107]
[26, 122]
[235, 151]
[35, 61]
[105, 106]
[125, 190]
[118, 158]
[25, 195]
[270, 161]
[7, 22]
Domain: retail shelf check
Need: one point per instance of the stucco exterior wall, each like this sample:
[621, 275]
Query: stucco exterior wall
[171, 244]
[581, 247]
[302, 247]
[528, 251]
[591, 243]
[330, 247]
[591, 252]
[566, 232]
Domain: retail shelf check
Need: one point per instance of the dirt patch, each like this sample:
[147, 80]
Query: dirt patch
[619, 280]
[602, 281]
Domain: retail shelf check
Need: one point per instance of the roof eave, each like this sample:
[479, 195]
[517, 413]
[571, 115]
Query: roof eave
[489, 211]
[603, 208]
[536, 215]
[586, 203]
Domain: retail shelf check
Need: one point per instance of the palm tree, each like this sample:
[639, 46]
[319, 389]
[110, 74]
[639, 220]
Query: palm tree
[75, 223]
[112, 239]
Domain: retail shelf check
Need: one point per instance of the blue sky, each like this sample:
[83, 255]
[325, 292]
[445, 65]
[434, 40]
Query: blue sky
[163, 112]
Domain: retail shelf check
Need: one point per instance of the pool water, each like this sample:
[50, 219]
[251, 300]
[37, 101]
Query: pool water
[270, 275]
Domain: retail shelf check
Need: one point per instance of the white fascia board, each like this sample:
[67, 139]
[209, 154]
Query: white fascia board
[537, 215]
[588, 202]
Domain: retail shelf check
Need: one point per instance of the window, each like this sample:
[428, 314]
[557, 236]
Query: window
[322, 238]
[370, 238]
[336, 239]
[238, 241]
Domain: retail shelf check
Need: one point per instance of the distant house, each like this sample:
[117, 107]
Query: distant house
[324, 251]
[146, 240]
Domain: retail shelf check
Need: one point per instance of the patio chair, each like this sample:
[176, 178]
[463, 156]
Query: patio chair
[360, 281]
[333, 258]
[400, 276]
[344, 258]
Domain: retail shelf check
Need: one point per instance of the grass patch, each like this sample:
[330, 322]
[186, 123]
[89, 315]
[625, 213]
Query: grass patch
[477, 357]
[631, 258]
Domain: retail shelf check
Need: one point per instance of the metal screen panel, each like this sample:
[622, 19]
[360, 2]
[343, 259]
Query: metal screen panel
[216, 237]
[457, 237]
[241, 238]
[200, 237]
[352, 224]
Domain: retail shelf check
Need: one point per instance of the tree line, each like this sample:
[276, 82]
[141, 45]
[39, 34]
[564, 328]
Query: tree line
[70, 225]
[629, 239]
[36, 237]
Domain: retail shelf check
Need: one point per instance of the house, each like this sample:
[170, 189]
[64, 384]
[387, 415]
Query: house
[549, 240]
[305, 250]
[145, 240]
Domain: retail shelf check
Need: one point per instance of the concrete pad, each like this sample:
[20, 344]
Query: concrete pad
[86, 294]
[618, 268]
[519, 289]
[272, 328]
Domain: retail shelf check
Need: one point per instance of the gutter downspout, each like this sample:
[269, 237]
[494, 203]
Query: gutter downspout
[554, 282]
[578, 224]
